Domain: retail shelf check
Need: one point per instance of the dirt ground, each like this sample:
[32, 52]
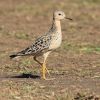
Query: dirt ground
[75, 65]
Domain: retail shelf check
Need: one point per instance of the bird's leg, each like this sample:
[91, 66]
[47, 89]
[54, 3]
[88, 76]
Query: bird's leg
[47, 70]
[41, 65]
[37, 61]
[44, 70]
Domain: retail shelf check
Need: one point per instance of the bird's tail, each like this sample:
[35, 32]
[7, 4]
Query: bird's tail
[21, 53]
[17, 54]
[13, 56]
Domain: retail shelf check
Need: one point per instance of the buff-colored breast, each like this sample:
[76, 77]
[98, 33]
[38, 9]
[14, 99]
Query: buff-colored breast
[56, 40]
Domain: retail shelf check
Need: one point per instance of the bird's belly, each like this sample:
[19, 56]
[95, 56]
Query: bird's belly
[56, 42]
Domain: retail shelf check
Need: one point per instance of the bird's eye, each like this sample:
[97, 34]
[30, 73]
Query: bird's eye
[59, 14]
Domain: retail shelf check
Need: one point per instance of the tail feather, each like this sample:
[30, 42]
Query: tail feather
[21, 53]
[13, 56]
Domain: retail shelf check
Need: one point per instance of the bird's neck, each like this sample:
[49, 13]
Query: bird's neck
[56, 25]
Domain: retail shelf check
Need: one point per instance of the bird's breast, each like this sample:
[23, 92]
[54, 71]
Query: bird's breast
[56, 41]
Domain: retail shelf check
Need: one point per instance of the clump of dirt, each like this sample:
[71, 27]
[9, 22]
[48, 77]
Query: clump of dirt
[85, 97]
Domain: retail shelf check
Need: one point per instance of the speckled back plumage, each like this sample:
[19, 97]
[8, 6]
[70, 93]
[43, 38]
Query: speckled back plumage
[40, 45]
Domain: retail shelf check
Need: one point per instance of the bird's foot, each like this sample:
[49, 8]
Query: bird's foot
[48, 78]
[48, 71]
[44, 71]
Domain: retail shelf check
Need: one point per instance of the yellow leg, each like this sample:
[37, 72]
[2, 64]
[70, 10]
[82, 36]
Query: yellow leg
[43, 71]
[47, 71]
[42, 65]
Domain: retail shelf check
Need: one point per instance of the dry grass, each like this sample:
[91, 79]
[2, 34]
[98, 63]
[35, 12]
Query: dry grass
[77, 67]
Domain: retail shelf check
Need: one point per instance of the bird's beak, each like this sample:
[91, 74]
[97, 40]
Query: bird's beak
[68, 18]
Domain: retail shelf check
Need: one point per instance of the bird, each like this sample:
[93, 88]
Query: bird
[46, 43]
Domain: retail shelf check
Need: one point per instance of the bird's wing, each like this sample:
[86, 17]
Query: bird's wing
[38, 46]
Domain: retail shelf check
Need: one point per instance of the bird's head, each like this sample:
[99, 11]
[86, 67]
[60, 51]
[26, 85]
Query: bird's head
[58, 15]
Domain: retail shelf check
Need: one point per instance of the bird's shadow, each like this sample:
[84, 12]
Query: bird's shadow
[24, 75]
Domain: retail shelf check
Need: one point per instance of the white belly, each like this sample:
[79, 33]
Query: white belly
[56, 41]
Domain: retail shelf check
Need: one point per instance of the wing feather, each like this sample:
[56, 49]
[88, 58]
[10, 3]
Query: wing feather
[38, 46]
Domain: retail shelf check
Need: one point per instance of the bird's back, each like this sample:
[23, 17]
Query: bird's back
[38, 46]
